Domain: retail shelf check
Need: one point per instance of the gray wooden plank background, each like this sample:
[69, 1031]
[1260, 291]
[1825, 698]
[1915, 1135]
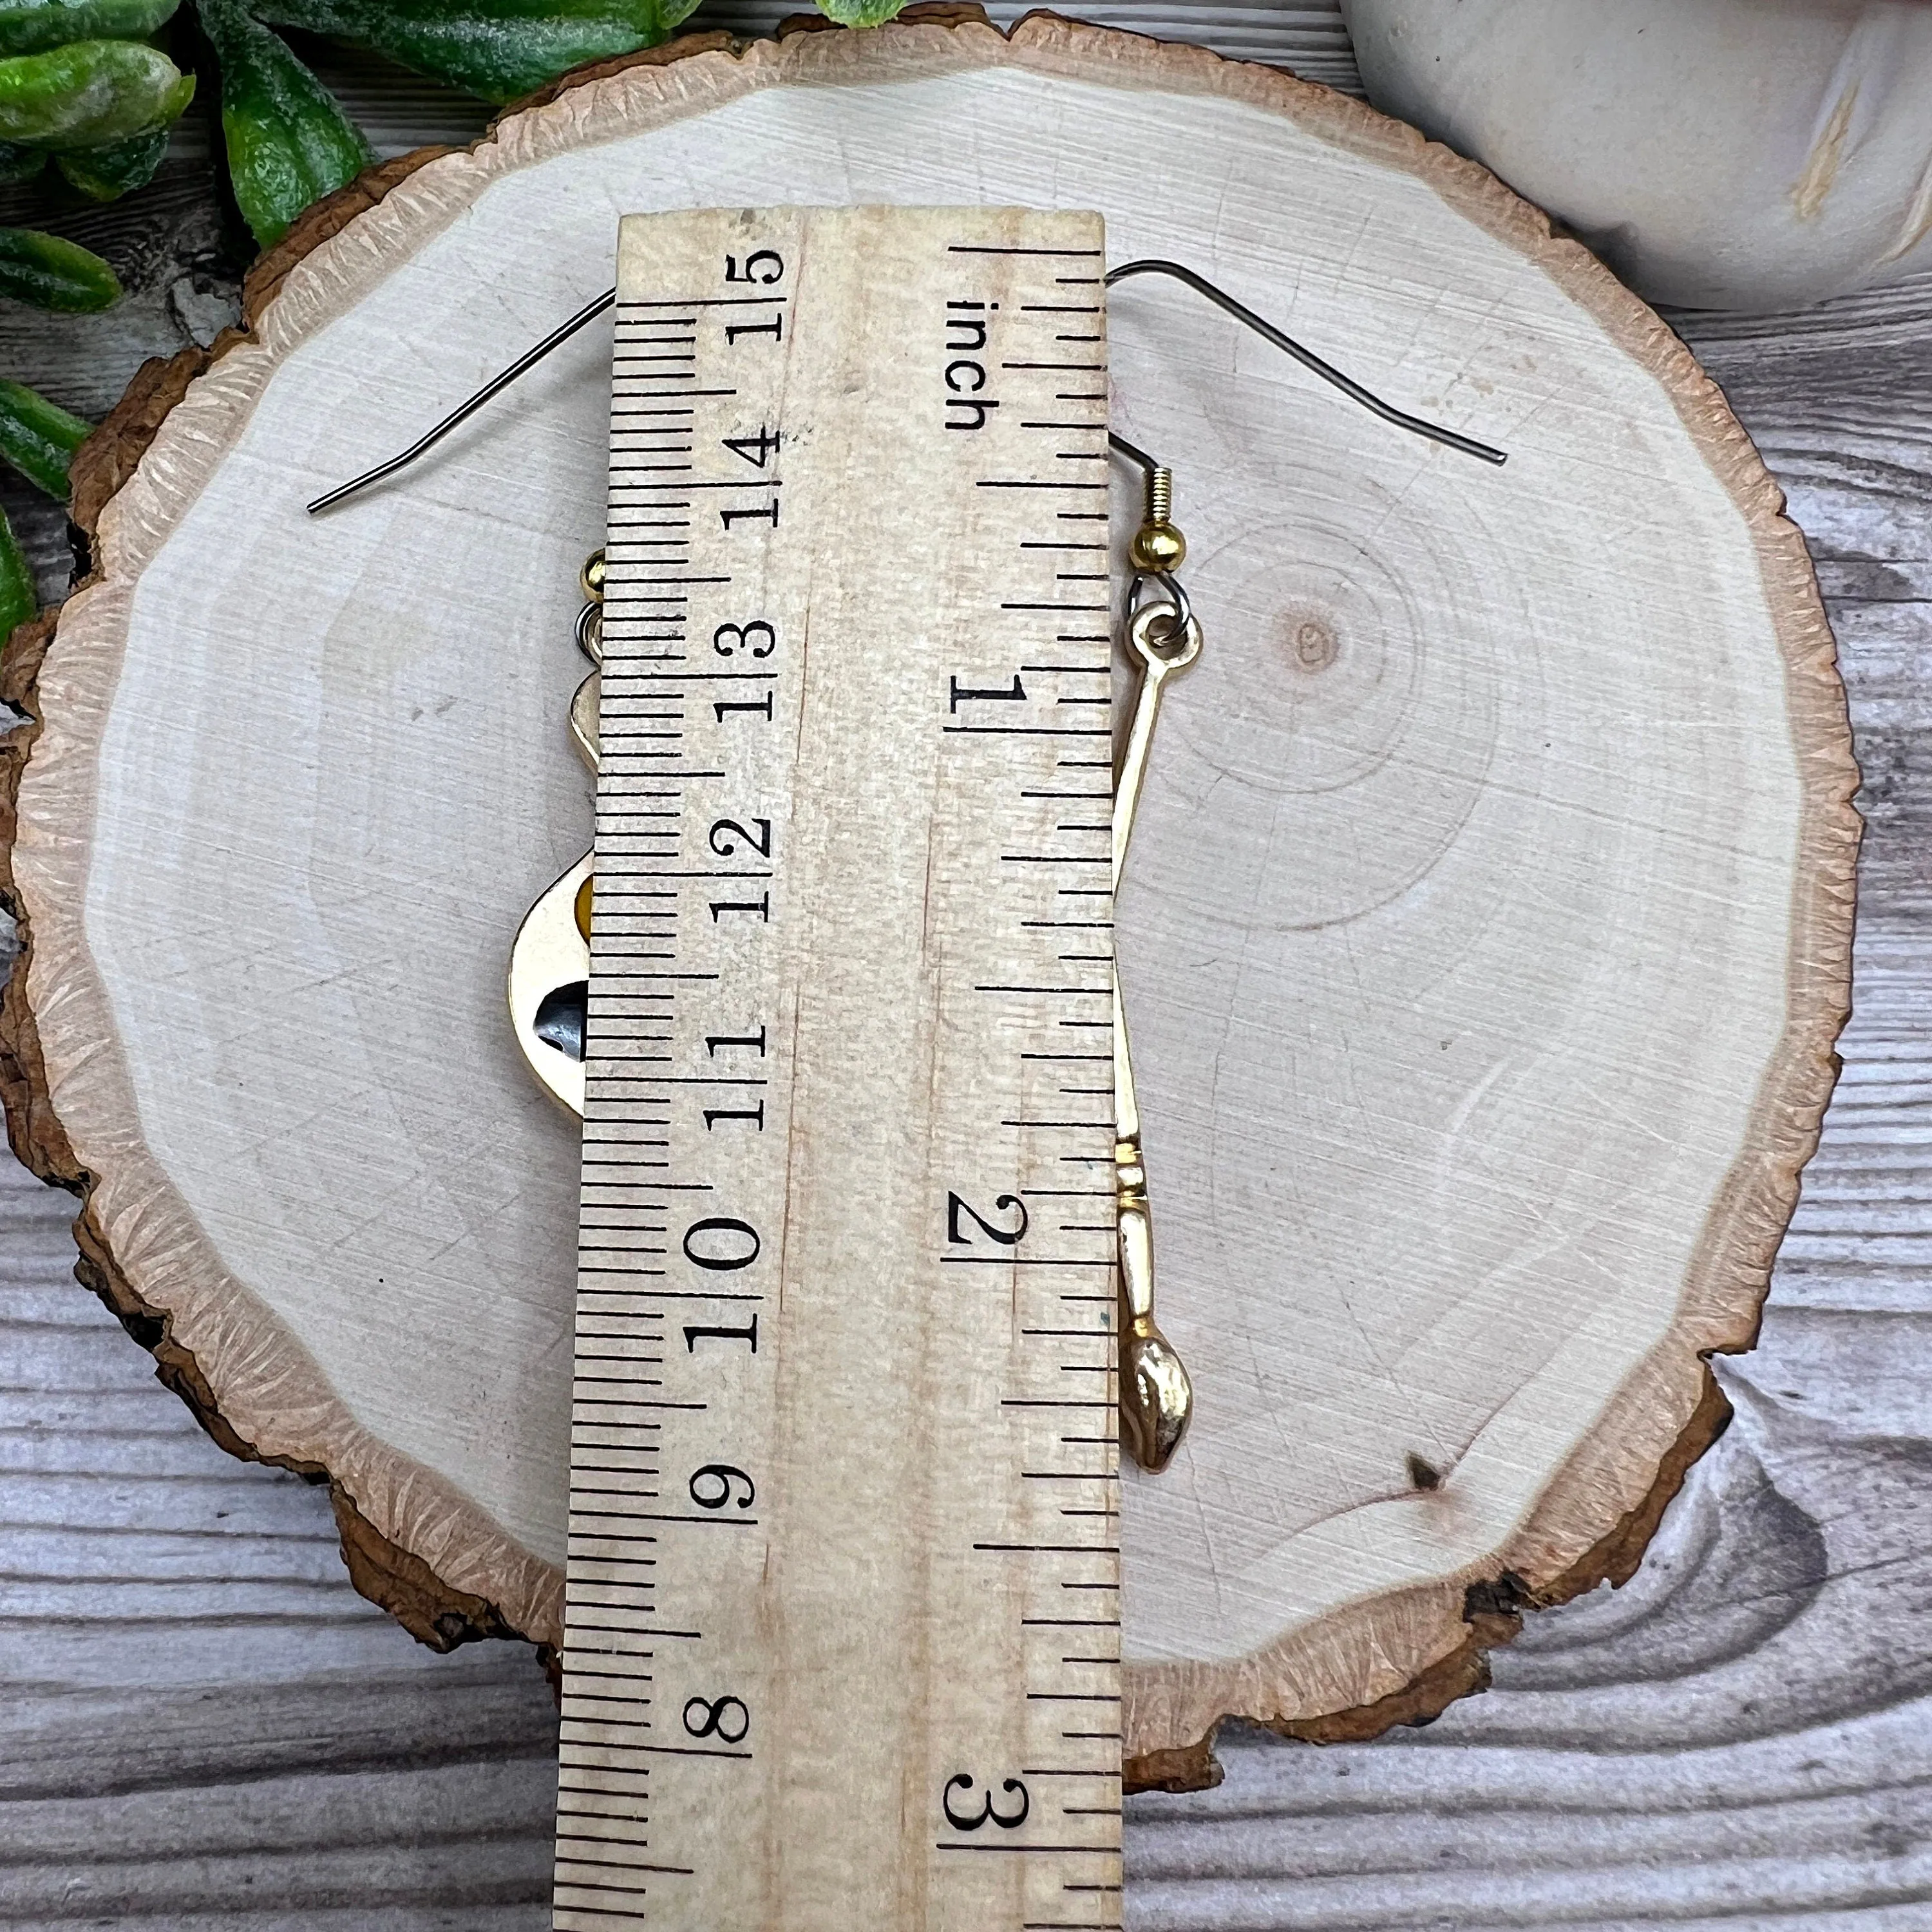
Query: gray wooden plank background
[202, 1727]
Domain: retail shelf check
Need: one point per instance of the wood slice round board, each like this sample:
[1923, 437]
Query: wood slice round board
[1485, 938]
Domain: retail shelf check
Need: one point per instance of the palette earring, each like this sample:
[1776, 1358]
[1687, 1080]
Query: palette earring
[550, 958]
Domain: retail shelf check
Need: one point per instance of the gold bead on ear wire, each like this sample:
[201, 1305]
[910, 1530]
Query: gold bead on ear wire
[1158, 546]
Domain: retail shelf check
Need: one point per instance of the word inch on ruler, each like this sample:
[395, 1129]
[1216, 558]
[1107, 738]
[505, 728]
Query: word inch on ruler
[843, 1625]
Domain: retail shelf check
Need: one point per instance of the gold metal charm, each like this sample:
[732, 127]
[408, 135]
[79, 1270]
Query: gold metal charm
[549, 983]
[550, 958]
[1164, 637]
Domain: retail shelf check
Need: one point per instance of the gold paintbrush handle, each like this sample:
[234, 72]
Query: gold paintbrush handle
[1156, 1397]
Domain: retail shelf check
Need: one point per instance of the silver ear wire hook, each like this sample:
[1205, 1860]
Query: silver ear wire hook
[1159, 480]
[1307, 357]
[588, 313]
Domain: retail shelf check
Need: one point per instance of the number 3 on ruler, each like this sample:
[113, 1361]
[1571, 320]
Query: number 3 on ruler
[1007, 1821]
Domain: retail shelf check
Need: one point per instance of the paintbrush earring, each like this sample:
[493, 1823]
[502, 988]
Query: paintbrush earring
[1163, 638]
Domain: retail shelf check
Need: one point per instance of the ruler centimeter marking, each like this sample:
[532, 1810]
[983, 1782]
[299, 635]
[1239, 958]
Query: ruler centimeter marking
[843, 1621]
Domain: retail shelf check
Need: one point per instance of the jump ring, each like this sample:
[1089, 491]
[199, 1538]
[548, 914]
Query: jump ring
[590, 632]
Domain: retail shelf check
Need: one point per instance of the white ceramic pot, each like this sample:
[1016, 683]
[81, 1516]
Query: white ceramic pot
[1721, 153]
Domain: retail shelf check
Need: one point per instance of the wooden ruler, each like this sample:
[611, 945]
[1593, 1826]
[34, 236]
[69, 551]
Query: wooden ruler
[844, 1581]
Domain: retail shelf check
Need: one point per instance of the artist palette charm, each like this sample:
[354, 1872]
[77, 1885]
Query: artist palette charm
[549, 959]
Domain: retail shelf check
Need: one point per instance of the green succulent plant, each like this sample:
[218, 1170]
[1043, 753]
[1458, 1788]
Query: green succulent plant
[87, 85]
[38, 439]
[90, 88]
